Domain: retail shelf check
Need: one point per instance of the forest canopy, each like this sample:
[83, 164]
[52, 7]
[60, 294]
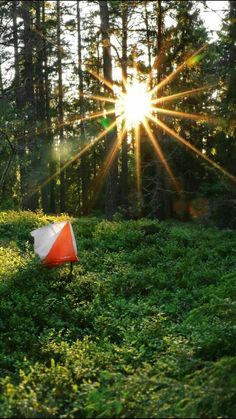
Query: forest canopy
[118, 107]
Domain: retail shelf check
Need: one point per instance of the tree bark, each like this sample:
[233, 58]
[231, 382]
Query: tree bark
[16, 52]
[111, 181]
[30, 178]
[124, 148]
[161, 197]
[60, 110]
[231, 94]
[18, 97]
[49, 138]
[84, 172]
[42, 137]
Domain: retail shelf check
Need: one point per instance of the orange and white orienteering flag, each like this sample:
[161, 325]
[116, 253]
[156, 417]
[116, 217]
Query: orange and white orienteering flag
[55, 243]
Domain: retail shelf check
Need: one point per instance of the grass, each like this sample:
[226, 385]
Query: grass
[146, 328]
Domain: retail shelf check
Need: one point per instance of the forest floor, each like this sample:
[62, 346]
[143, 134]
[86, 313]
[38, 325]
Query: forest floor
[146, 327]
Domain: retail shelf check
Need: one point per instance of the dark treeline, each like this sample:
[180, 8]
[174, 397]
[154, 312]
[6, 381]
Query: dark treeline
[48, 52]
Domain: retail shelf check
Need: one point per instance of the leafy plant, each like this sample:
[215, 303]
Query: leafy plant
[145, 328]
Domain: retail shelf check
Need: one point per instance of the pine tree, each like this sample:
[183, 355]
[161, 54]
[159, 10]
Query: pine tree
[111, 181]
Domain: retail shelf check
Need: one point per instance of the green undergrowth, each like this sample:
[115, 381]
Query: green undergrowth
[146, 327]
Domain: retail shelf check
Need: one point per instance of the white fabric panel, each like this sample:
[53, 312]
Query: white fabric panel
[73, 238]
[44, 238]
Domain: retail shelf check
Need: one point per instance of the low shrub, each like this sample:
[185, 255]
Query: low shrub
[145, 328]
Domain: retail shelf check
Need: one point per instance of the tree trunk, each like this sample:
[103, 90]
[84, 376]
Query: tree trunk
[16, 52]
[49, 138]
[148, 41]
[161, 197]
[111, 181]
[84, 172]
[231, 94]
[19, 97]
[60, 110]
[159, 193]
[124, 149]
[30, 178]
[42, 137]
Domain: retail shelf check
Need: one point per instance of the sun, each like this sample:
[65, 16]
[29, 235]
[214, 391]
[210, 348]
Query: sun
[135, 104]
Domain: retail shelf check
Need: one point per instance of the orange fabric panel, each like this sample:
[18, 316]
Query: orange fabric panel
[62, 250]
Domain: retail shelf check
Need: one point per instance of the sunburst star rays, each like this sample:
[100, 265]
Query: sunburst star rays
[175, 72]
[178, 114]
[140, 112]
[111, 156]
[185, 93]
[138, 163]
[159, 153]
[75, 157]
[97, 97]
[191, 147]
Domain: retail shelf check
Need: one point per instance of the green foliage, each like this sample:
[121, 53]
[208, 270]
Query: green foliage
[146, 327]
